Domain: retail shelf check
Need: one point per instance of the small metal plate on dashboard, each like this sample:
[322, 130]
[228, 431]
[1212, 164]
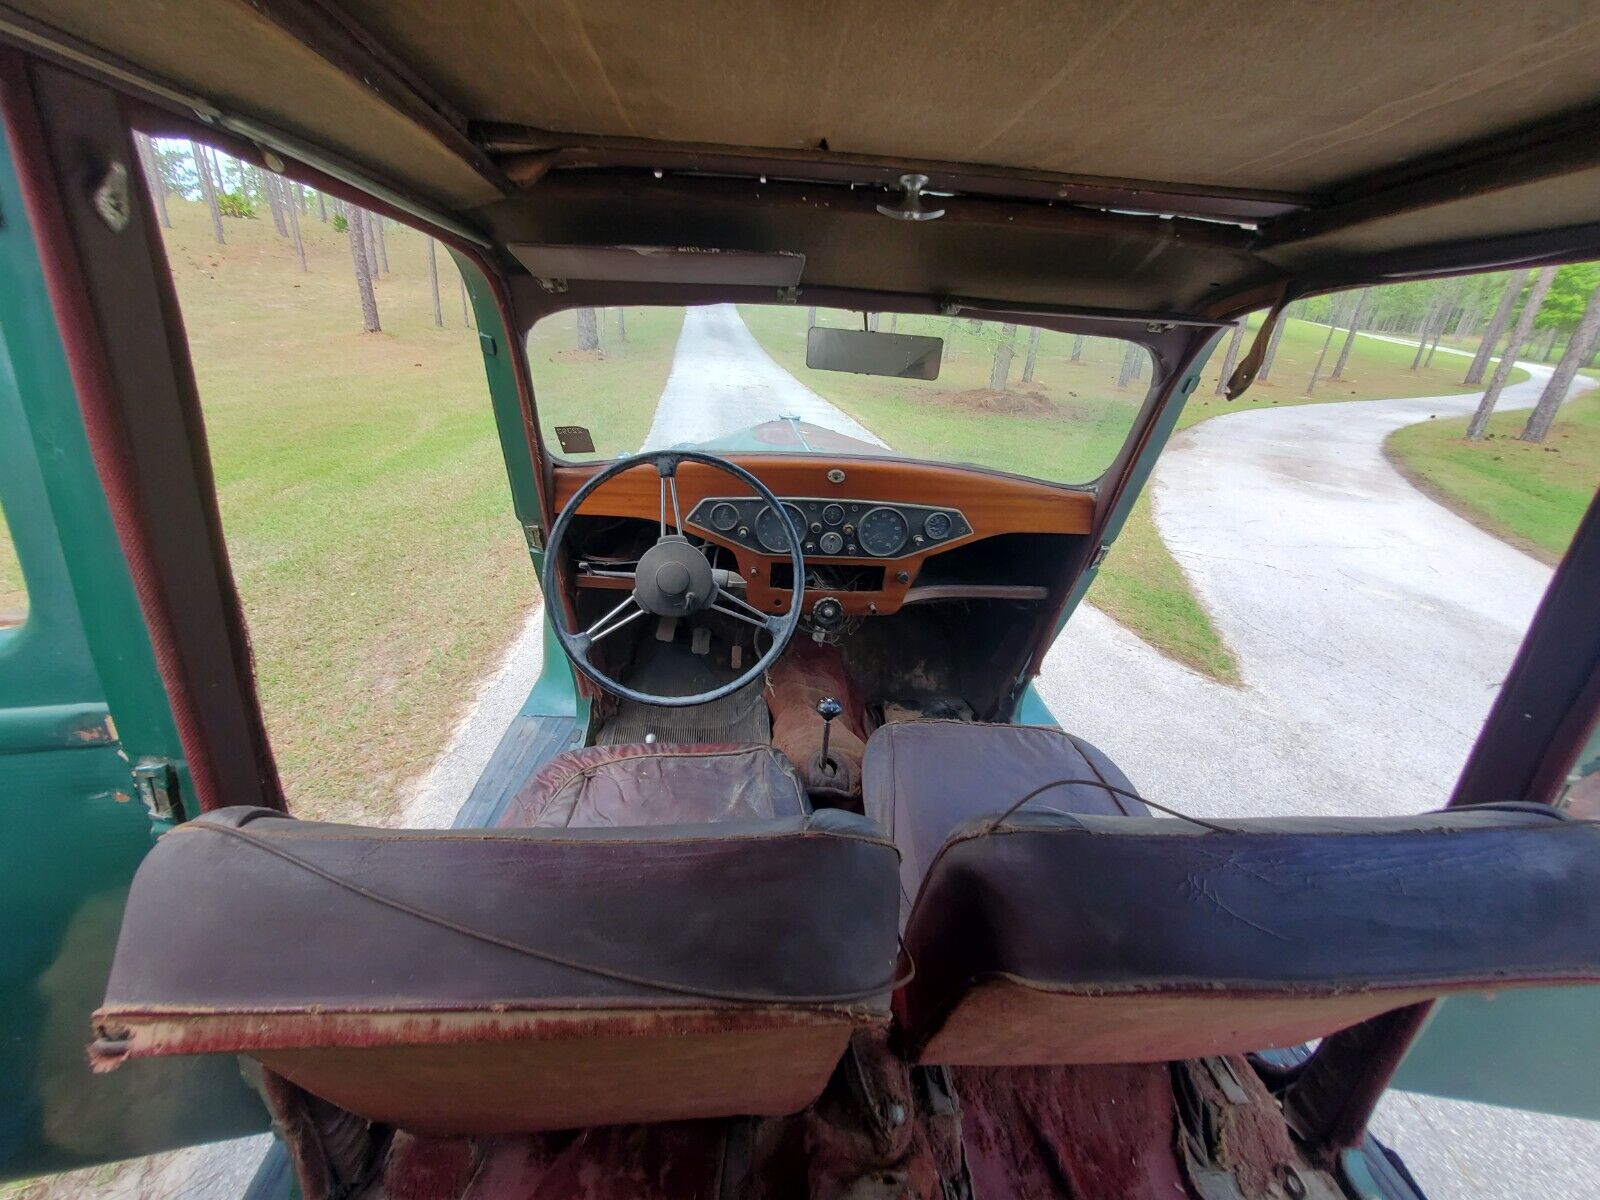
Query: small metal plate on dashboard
[575, 439]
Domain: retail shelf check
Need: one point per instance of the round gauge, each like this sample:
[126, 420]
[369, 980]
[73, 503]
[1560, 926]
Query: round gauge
[830, 543]
[882, 532]
[723, 516]
[770, 532]
[833, 514]
[938, 526]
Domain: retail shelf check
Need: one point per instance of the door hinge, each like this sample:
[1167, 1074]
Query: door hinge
[1099, 556]
[156, 782]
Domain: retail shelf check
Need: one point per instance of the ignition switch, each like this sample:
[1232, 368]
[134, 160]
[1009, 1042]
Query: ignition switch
[827, 613]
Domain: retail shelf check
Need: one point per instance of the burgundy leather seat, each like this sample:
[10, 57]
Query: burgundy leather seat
[637, 784]
[511, 980]
[1070, 932]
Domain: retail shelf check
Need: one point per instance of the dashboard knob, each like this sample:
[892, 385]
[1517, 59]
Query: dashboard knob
[827, 613]
[830, 542]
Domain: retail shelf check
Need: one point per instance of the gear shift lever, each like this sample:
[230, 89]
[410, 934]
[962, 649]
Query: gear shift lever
[828, 708]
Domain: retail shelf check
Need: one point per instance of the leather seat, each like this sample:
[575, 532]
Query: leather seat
[923, 779]
[655, 784]
[498, 981]
[1081, 935]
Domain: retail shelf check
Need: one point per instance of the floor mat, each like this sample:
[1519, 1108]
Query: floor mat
[740, 718]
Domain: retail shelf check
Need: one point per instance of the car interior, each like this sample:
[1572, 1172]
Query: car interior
[807, 894]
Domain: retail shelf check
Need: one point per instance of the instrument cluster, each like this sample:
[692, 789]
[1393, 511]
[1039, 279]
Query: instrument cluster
[830, 528]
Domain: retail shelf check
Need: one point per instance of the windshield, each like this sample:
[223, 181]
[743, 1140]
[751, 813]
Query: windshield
[733, 378]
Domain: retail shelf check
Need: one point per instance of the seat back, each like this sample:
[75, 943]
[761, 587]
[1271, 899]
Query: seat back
[1068, 938]
[498, 981]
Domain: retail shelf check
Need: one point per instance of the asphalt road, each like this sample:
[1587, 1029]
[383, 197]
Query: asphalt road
[722, 381]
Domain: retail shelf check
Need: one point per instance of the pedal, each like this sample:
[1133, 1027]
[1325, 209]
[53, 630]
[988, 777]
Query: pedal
[666, 629]
[700, 640]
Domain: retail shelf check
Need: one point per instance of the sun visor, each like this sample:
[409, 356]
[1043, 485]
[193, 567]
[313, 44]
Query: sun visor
[661, 264]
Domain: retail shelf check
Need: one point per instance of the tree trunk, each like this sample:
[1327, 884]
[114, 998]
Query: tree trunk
[622, 327]
[1579, 346]
[1130, 366]
[322, 207]
[1272, 347]
[1000, 373]
[433, 283]
[1497, 326]
[1350, 338]
[275, 202]
[357, 217]
[1425, 331]
[1549, 345]
[462, 284]
[383, 242]
[811, 318]
[372, 243]
[152, 178]
[588, 330]
[1077, 347]
[208, 190]
[1033, 354]
[1440, 321]
[294, 230]
[1333, 327]
[894, 322]
[1231, 359]
[1508, 360]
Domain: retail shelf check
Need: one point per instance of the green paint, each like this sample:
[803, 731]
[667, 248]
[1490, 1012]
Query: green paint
[1530, 1048]
[74, 833]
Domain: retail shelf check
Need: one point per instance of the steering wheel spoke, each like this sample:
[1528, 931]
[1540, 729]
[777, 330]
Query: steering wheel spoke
[730, 605]
[667, 469]
[610, 623]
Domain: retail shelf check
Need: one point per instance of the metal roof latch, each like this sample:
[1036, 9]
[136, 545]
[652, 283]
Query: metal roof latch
[156, 782]
[910, 208]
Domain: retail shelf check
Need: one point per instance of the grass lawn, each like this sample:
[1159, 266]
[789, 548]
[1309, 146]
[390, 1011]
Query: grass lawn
[1531, 495]
[612, 393]
[363, 493]
[1069, 425]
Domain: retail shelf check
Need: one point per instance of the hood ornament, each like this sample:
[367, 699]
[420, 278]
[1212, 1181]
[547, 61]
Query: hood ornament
[910, 208]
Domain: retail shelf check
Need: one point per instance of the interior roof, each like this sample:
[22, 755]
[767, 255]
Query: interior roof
[1425, 133]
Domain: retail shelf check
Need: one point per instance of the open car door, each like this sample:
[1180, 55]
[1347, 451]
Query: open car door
[86, 734]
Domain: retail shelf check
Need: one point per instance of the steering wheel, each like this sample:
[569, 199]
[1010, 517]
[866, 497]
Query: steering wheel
[672, 579]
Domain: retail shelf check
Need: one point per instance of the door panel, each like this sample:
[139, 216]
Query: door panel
[80, 702]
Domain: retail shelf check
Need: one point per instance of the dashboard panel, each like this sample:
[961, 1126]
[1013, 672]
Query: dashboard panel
[981, 504]
[843, 527]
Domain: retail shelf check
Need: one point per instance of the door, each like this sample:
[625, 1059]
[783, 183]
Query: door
[85, 732]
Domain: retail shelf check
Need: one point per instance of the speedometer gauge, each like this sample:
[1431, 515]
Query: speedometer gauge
[769, 529]
[882, 532]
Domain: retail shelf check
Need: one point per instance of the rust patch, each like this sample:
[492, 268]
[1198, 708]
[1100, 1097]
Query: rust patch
[1102, 1131]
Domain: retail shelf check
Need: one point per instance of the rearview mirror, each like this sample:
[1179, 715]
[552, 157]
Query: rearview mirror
[862, 352]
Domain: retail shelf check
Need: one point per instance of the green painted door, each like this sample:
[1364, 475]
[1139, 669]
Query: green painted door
[81, 705]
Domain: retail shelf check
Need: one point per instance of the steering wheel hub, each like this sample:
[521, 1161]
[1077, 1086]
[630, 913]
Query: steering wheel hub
[674, 579]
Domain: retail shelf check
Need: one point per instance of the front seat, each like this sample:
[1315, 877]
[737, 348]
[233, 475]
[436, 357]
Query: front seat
[516, 980]
[1073, 930]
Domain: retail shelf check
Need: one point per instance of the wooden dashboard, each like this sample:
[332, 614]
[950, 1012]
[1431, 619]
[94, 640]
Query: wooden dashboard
[989, 504]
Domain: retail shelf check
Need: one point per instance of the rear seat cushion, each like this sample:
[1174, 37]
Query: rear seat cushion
[1063, 938]
[922, 779]
[654, 784]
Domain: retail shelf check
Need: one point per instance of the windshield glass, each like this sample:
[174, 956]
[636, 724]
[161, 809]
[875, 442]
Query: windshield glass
[733, 378]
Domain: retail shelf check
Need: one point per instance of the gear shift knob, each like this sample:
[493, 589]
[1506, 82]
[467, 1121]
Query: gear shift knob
[828, 708]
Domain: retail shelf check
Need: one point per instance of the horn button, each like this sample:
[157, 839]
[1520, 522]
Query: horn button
[674, 579]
